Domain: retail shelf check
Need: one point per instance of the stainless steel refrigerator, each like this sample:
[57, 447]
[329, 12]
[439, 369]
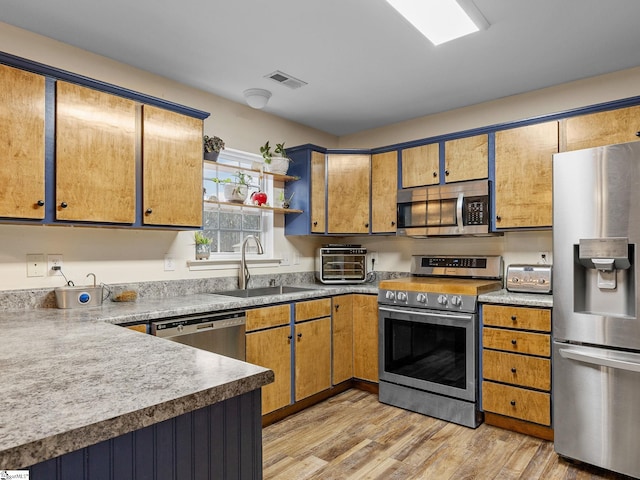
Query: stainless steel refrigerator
[596, 329]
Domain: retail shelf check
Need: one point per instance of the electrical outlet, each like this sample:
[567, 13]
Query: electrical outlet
[54, 260]
[169, 263]
[544, 257]
[284, 258]
[35, 265]
[296, 258]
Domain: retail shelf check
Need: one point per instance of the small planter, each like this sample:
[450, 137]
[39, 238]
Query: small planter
[211, 156]
[235, 192]
[203, 251]
[279, 165]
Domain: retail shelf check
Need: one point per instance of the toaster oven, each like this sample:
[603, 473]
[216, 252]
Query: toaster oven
[339, 263]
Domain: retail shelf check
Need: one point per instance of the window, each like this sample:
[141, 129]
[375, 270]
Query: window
[228, 219]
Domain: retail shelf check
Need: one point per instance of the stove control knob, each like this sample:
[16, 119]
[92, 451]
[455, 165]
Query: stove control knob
[401, 296]
[421, 298]
[456, 301]
[390, 295]
[442, 299]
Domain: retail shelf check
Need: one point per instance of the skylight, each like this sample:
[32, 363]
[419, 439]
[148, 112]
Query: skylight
[441, 20]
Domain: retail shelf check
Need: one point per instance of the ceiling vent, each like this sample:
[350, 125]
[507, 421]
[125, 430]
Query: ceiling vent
[286, 79]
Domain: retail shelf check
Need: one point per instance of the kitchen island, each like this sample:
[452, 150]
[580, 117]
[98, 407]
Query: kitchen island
[82, 393]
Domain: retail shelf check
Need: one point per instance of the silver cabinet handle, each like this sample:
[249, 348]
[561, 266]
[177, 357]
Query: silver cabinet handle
[600, 360]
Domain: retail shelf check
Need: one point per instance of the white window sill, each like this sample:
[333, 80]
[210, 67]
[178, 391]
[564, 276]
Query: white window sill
[230, 263]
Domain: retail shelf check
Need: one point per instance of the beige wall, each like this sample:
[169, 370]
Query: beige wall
[122, 255]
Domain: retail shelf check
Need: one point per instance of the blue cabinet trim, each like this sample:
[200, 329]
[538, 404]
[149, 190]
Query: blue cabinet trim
[60, 74]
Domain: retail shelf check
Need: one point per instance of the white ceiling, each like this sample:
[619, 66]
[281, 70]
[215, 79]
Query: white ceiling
[364, 64]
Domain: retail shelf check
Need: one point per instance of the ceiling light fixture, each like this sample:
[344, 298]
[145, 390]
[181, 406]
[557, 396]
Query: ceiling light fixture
[257, 97]
[443, 20]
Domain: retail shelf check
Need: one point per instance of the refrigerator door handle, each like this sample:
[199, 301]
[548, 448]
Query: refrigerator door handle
[600, 360]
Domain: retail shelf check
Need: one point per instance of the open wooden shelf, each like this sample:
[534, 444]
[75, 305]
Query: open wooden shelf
[248, 205]
[276, 176]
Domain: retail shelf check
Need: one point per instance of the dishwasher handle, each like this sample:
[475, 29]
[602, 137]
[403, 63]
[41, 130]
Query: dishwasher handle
[195, 324]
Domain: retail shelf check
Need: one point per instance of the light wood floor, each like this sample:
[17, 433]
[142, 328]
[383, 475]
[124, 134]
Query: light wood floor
[353, 436]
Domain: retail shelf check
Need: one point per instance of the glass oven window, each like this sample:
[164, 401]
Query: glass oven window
[343, 267]
[429, 352]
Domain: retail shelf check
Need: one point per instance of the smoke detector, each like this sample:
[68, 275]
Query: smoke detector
[286, 79]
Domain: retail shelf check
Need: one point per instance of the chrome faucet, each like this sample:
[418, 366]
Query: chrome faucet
[243, 279]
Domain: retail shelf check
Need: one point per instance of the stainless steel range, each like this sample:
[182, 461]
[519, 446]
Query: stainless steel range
[429, 336]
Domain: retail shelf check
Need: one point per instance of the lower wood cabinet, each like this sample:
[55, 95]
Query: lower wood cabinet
[312, 345]
[365, 337]
[342, 339]
[516, 367]
[312, 357]
[268, 344]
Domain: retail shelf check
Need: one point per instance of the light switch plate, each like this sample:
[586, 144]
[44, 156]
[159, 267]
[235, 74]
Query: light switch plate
[36, 266]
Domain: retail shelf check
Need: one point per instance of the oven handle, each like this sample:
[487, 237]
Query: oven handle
[425, 314]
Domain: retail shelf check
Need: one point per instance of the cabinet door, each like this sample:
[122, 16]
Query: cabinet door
[318, 192]
[384, 192]
[342, 335]
[348, 193]
[95, 155]
[172, 168]
[272, 349]
[365, 337]
[523, 186]
[260, 318]
[466, 158]
[22, 107]
[312, 309]
[312, 357]
[420, 165]
[599, 129]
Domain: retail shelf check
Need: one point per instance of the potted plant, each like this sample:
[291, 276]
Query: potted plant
[212, 147]
[235, 191]
[276, 161]
[203, 246]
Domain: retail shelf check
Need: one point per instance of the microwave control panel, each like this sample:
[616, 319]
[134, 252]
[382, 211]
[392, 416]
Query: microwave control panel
[475, 210]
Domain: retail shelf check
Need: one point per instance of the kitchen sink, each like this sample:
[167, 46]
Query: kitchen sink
[262, 291]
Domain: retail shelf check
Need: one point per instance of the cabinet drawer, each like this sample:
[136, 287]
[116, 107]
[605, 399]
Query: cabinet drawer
[519, 370]
[517, 402]
[517, 341]
[267, 317]
[313, 309]
[517, 317]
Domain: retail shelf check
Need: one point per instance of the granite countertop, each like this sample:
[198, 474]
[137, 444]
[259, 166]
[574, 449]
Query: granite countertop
[513, 298]
[72, 378]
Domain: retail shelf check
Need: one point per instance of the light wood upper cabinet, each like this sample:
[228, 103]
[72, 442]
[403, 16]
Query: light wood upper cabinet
[318, 192]
[466, 158]
[348, 193]
[342, 335]
[384, 192]
[95, 155]
[172, 168]
[523, 176]
[421, 165]
[22, 138]
[599, 129]
[365, 337]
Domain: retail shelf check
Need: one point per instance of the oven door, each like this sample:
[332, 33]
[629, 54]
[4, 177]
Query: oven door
[429, 350]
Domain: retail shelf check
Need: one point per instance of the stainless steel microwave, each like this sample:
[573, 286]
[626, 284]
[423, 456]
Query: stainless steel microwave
[441, 210]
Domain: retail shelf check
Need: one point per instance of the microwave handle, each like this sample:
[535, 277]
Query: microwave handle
[459, 204]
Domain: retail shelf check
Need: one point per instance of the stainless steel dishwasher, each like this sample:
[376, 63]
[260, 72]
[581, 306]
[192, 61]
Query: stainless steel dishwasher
[221, 333]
